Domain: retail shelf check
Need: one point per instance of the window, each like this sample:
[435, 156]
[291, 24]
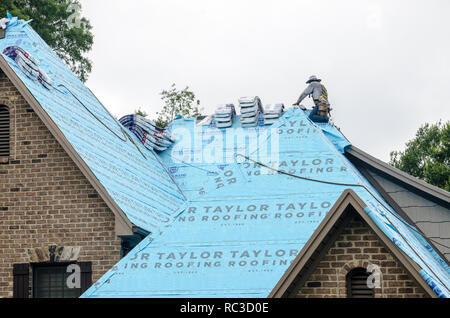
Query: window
[49, 281]
[357, 284]
[4, 131]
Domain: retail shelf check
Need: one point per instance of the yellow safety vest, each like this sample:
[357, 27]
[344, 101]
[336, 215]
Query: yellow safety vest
[324, 93]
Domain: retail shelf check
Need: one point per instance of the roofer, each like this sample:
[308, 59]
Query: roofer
[319, 94]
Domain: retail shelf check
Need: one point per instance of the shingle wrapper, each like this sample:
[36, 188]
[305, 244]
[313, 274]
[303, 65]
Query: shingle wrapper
[272, 112]
[29, 65]
[250, 108]
[151, 136]
[224, 115]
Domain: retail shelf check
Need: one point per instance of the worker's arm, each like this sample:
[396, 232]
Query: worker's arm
[305, 93]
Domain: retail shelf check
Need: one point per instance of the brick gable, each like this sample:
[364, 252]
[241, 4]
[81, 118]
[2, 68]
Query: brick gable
[358, 246]
[45, 199]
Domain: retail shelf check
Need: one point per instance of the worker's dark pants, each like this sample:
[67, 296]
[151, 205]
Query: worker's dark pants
[316, 118]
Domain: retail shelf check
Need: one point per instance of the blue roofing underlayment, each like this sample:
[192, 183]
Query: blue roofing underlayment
[237, 225]
[140, 186]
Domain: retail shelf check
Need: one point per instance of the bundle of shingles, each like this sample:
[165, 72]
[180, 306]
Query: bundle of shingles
[151, 136]
[250, 108]
[272, 112]
[29, 65]
[224, 115]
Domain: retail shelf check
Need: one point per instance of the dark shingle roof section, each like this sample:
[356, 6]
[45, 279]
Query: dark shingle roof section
[427, 190]
[418, 202]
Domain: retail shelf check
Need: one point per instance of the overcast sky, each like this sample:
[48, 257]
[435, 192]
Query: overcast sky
[385, 63]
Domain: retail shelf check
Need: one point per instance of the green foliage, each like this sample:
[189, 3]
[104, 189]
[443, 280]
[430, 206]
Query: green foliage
[140, 112]
[427, 156]
[177, 102]
[59, 23]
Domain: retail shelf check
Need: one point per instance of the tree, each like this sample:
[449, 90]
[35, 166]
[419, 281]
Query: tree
[427, 156]
[140, 112]
[60, 24]
[177, 102]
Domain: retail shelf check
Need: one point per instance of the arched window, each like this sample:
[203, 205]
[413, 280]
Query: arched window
[4, 131]
[357, 284]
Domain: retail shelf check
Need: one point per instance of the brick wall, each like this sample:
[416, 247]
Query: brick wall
[358, 246]
[46, 200]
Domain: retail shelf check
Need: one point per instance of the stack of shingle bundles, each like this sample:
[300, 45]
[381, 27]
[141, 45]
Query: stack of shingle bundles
[250, 108]
[151, 136]
[224, 115]
[29, 65]
[272, 112]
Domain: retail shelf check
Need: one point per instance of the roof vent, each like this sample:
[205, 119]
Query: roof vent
[357, 284]
[4, 131]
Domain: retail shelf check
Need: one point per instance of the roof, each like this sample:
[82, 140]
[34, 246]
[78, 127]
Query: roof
[228, 209]
[419, 186]
[324, 236]
[130, 179]
[419, 203]
[245, 223]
